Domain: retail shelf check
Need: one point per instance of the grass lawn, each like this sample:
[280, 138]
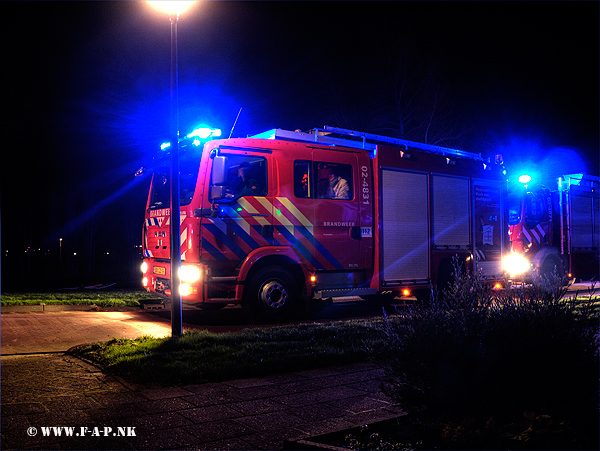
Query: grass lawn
[101, 298]
[200, 356]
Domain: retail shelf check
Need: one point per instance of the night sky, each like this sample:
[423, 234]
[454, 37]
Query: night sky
[86, 99]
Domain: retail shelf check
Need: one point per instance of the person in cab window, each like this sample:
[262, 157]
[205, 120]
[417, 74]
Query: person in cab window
[245, 184]
[338, 187]
[304, 185]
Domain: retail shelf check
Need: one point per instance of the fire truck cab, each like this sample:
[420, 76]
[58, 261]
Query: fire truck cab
[280, 218]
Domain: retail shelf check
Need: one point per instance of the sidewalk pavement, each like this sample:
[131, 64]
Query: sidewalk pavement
[44, 386]
[48, 390]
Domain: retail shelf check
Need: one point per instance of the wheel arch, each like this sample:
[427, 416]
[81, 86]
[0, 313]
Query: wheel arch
[280, 256]
[549, 252]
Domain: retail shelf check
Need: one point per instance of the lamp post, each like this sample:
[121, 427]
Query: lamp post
[174, 9]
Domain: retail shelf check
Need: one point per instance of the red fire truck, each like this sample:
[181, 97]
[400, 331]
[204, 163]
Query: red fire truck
[275, 220]
[554, 230]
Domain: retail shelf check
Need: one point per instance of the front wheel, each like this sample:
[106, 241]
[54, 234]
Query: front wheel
[272, 294]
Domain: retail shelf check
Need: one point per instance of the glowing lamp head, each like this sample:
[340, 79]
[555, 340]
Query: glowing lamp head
[173, 8]
[524, 179]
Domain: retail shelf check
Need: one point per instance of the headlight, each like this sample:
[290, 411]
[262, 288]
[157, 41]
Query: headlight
[516, 264]
[144, 267]
[185, 289]
[189, 273]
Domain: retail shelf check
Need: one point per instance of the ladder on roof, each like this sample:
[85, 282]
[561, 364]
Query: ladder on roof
[359, 140]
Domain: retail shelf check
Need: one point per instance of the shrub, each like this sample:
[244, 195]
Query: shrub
[475, 354]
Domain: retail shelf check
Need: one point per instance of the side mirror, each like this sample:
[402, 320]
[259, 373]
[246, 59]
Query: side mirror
[219, 170]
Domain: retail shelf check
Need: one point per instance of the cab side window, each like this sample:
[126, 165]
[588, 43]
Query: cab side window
[334, 180]
[303, 186]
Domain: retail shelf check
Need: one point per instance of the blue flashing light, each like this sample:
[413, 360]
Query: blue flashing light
[196, 142]
[205, 132]
[524, 179]
[163, 146]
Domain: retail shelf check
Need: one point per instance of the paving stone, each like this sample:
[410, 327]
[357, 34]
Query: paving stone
[361, 404]
[156, 421]
[228, 444]
[317, 396]
[16, 423]
[22, 408]
[272, 439]
[210, 413]
[162, 393]
[218, 430]
[271, 420]
[123, 397]
[245, 383]
[320, 372]
[318, 412]
[165, 405]
[115, 412]
[209, 399]
[321, 427]
[163, 439]
[58, 418]
[255, 406]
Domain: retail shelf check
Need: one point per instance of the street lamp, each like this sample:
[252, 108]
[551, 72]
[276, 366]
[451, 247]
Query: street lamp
[174, 9]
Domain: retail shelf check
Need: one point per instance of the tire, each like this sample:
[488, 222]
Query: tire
[272, 295]
[552, 265]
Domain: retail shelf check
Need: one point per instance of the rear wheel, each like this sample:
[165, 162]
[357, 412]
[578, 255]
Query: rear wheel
[551, 266]
[272, 294]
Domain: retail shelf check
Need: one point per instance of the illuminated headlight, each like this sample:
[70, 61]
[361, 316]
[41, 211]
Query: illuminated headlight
[516, 264]
[189, 274]
[145, 282]
[144, 267]
[185, 289]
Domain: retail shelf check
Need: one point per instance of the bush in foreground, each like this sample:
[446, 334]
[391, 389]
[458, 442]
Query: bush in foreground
[489, 371]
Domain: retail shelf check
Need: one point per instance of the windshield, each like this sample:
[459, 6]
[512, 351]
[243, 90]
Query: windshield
[160, 196]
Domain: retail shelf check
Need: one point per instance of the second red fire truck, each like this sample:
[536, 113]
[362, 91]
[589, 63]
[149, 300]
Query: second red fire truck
[554, 229]
[275, 220]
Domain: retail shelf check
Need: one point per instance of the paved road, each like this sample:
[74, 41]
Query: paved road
[24, 333]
